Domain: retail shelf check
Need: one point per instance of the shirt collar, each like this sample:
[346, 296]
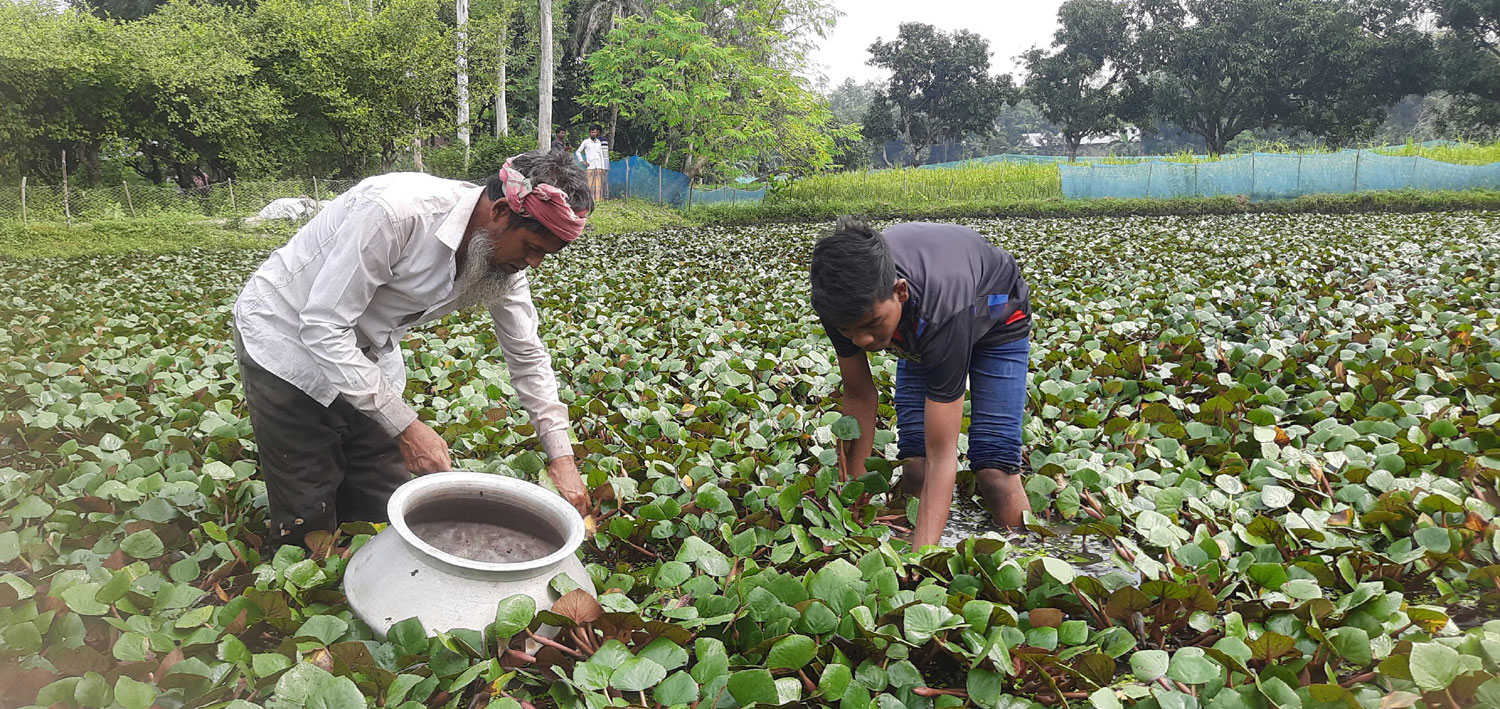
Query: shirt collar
[451, 230]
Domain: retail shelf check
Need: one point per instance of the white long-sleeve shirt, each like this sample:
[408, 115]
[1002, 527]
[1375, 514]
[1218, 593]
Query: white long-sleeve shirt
[594, 153]
[327, 311]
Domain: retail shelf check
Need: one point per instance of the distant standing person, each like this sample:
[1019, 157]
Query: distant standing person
[560, 141]
[594, 153]
[955, 309]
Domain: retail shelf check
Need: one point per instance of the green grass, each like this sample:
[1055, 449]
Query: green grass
[160, 234]
[167, 233]
[621, 216]
[1016, 187]
[824, 210]
[172, 233]
[1461, 154]
[982, 182]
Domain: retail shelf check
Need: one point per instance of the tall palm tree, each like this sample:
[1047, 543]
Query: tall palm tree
[594, 23]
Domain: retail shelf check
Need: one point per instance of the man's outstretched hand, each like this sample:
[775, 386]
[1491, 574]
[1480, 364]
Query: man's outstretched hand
[569, 484]
[423, 449]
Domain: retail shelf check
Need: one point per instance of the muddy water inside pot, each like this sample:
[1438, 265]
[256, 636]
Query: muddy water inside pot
[484, 530]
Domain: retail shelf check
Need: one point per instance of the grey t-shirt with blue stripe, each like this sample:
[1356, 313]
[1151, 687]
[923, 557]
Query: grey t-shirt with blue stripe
[965, 294]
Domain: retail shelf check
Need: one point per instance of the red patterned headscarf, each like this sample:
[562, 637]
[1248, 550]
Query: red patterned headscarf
[544, 203]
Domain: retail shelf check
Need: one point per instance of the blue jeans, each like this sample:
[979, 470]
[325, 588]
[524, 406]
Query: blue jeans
[997, 388]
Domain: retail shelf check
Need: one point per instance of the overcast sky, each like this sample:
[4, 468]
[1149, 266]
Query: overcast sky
[1011, 26]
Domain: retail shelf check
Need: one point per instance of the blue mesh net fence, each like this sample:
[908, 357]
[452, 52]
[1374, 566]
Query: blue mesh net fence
[635, 177]
[1262, 176]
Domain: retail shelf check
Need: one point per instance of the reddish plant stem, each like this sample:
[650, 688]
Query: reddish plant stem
[1357, 679]
[1088, 605]
[934, 692]
[554, 644]
[523, 657]
[807, 684]
[1050, 699]
[584, 643]
[640, 548]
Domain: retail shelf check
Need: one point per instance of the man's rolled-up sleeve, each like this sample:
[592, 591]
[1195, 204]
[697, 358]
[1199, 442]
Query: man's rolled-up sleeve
[530, 368]
[359, 259]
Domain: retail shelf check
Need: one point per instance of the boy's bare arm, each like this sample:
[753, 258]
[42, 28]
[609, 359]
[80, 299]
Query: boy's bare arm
[941, 430]
[860, 400]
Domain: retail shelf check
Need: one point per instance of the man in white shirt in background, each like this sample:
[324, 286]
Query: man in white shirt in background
[594, 153]
[318, 330]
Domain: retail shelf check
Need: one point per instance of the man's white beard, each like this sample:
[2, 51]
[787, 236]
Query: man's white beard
[481, 283]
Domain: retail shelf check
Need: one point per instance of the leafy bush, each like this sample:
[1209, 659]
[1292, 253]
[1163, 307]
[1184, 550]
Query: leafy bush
[486, 155]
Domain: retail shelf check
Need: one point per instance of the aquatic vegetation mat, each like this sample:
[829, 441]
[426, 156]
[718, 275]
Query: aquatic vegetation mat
[1264, 456]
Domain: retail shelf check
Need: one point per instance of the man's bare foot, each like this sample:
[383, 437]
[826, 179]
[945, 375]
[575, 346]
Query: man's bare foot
[913, 474]
[1004, 496]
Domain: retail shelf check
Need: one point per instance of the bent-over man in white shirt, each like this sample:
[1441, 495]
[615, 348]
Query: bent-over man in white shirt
[318, 329]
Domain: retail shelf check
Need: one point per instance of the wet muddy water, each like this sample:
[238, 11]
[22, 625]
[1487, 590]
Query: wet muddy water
[482, 530]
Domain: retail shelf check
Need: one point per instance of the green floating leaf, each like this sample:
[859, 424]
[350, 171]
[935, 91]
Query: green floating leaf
[1147, 665]
[143, 545]
[666, 653]
[1190, 666]
[835, 680]
[325, 629]
[846, 428]
[1434, 539]
[132, 694]
[676, 689]
[791, 653]
[753, 686]
[636, 675]
[513, 614]
[1434, 666]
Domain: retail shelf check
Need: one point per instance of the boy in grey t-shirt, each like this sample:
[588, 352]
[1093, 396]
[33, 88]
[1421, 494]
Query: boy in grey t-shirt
[954, 308]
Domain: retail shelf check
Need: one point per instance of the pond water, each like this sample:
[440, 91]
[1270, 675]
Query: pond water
[1090, 555]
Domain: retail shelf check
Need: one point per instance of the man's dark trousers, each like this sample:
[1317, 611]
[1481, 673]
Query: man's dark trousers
[323, 465]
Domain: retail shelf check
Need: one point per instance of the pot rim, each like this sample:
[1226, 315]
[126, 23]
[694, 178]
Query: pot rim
[556, 508]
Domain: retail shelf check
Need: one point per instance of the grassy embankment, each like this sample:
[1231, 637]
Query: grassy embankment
[980, 190]
[169, 232]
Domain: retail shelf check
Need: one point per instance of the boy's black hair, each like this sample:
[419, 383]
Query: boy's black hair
[596, 127]
[852, 270]
[547, 167]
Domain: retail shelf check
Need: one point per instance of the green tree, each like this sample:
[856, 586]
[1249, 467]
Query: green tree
[1469, 52]
[1221, 67]
[1082, 84]
[940, 85]
[355, 87]
[65, 87]
[713, 108]
[851, 100]
[196, 100]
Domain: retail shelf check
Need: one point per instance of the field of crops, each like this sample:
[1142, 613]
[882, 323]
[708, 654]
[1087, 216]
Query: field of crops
[1265, 459]
[987, 182]
[1016, 180]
